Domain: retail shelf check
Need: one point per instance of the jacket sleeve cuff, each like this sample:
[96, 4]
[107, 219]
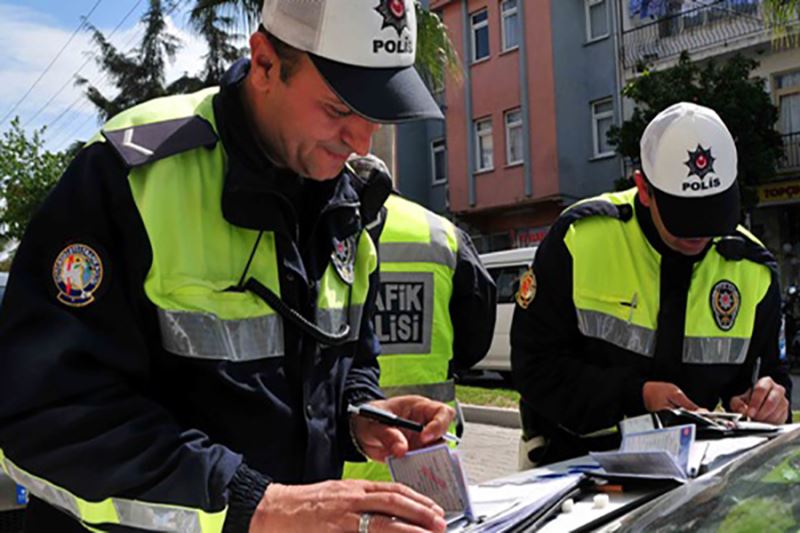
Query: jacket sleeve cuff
[350, 451]
[634, 401]
[244, 492]
[363, 395]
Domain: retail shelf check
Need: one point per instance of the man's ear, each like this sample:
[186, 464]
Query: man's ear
[642, 187]
[265, 65]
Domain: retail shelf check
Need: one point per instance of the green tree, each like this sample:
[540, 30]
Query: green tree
[140, 75]
[782, 17]
[218, 31]
[726, 87]
[27, 173]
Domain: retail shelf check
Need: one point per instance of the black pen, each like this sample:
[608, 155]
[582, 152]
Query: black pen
[753, 381]
[391, 419]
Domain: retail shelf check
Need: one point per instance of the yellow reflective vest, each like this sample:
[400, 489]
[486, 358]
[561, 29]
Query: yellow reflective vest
[418, 251]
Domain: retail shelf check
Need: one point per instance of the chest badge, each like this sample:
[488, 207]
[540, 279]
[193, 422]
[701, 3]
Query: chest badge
[77, 273]
[725, 303]
[527, 289]
[343, 258]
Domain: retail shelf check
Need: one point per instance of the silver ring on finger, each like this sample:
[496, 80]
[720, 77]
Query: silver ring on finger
[363, 522]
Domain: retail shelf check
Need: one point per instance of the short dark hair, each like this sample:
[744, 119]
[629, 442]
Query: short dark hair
[288, 54]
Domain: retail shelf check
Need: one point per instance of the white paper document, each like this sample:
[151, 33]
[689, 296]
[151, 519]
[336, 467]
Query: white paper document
[655, 454]
[437, 473]
[637, 424]
[498, 507]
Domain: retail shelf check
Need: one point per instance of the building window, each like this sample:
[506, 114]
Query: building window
[602, 120]
[787, 96]
[787, 93]
[484, 158]
[596, 19]
[514, 142]
[508, 8]
[439, 161]
[480, 35]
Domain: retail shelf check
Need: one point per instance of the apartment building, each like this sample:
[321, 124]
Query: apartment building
[525, 130]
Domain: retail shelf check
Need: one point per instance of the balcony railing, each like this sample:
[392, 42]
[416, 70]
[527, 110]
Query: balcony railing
[791, 152]
[715, 24]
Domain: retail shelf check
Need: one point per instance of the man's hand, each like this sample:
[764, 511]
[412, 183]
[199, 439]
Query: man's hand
[658, 395]
[333, 506]
[379, 441]
[766, 402]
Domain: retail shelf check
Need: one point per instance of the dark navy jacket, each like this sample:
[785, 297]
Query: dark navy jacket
[91, 401]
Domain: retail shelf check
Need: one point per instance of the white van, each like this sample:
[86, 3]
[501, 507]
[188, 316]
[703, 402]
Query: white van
[506, 267]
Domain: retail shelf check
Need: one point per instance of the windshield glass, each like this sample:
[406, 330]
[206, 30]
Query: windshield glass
[760, 492]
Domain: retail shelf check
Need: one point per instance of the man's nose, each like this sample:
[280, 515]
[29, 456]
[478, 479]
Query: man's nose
[357, 134]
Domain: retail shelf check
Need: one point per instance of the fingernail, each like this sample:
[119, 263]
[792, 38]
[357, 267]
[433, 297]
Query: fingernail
[751, 413]
[438, 510]
[440, 524]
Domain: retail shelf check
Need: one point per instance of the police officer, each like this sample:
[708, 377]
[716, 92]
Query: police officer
[188, 315]
[648, 299]
[436, 305]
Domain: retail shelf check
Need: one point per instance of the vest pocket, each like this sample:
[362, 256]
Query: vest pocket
[610, 319]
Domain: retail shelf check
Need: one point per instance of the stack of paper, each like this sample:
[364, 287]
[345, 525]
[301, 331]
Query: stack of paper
[492, 507]
[499, 507]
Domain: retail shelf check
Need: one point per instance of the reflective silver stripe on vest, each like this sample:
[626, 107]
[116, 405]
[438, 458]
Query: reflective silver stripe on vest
[618, 332]
[444, 391]
[438, 251]
[205, 336]
[53, 495]
[696, 350]
[130, 513]
[412, 252]
[143, 516]
[715, 350]
[334, 320]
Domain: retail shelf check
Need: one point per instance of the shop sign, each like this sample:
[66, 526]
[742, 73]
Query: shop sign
[783, 192]
[529, 236]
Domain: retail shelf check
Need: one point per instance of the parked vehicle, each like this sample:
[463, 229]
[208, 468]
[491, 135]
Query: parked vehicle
[12, 498]
[506, 267]
[790, 309]
[758, 492]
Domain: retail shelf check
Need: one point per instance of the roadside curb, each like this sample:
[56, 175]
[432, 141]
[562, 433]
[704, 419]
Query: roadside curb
[494, 416]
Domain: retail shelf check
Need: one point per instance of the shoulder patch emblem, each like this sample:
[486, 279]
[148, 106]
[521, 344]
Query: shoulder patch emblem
[527, 289]
[725, 303]
[77, 273]
[146, 143]
[343, 258]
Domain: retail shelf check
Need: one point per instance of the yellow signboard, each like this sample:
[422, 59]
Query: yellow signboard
[783, 192]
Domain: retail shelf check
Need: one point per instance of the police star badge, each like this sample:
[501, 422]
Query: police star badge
[700, 162]
[77, 273]
[527, 289]
[725, 302]
[343, 258]
[394, 14]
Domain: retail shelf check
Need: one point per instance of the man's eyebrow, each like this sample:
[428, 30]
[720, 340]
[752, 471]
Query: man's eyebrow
[334, 100]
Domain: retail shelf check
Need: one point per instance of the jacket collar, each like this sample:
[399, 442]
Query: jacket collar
[645, 220]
